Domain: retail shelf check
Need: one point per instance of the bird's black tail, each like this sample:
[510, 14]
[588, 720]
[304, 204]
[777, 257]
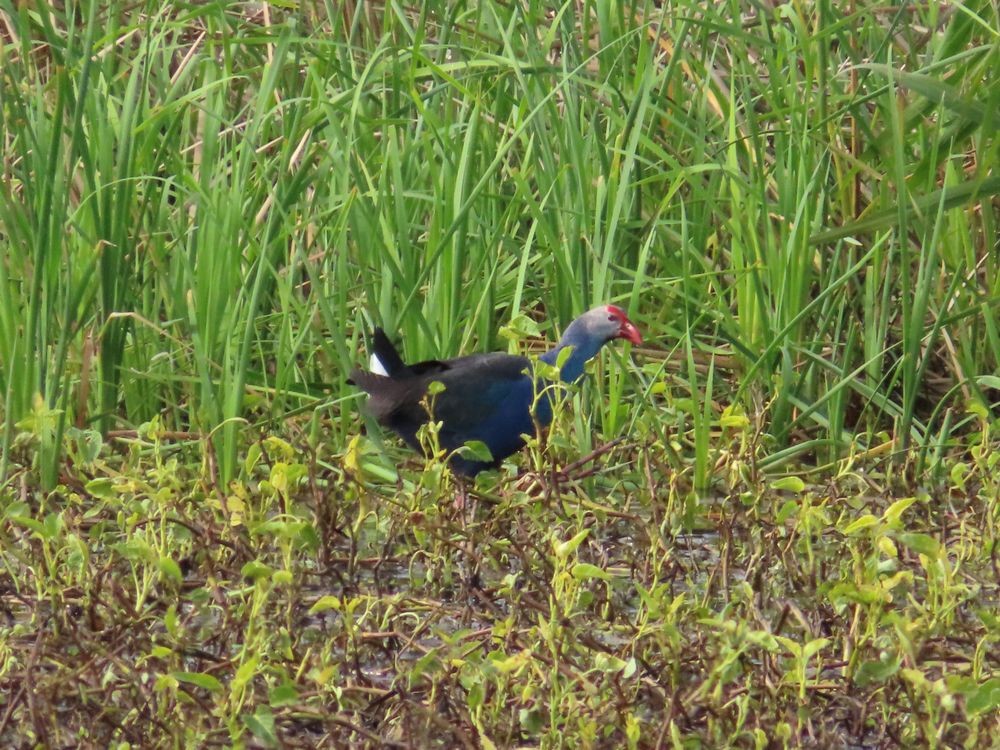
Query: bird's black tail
[385, 352]
[386, 358]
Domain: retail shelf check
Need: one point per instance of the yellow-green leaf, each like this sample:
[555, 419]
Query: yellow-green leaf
[790, 484]
[860, 524]
[588, 572]
[198, 679]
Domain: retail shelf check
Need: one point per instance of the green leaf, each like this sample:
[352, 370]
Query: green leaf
[275, 444]
[790, 484]
[791, 645]
[282, 578]
[520, 326]
[876, 671]
[52, 525]
[29, 523]
[531, 720]
[815, 646]
[734, 418]
[261, 725]
[255, 570]
[283, 695]
[309, 537]
[567, 548]
[605, 662]
[325, 603]
[16, 510]
[476, 450]
[630, 667]
[923, 544]
[505, 663]
[788, 509]
[958, 474]
[851, 592]
[88, 444]
[254, 453]
[977, 408]
[588, 572]
[198, 679]
[41, 422]
[915, 677]
[546, 371]
[985, 698]
[101, 488]
[475, 695]
[245, 673]
[563, 357]
[170, 570]
[895, 511]
[860, 524]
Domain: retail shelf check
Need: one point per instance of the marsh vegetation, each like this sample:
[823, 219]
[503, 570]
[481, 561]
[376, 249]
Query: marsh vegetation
[774, 524]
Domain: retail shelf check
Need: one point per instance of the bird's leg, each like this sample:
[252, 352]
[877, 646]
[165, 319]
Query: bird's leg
[461, 494]
[467, 513]
[466, 503]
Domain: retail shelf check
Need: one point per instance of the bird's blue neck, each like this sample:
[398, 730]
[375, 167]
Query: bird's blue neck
[585, 347]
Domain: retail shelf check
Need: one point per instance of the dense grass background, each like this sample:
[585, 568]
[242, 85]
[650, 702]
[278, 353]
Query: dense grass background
[204, 207]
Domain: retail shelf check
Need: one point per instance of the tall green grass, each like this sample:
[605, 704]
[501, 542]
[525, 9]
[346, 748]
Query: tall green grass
[217, 205]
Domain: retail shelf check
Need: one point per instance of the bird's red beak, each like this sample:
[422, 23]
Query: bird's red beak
[630, 332]
[626, 328]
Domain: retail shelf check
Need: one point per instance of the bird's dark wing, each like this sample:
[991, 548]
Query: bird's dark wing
[475, 387]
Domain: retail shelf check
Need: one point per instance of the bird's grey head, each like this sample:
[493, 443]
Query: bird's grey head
[605, 323]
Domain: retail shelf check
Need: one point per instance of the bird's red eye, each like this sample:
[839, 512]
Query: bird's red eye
[612, 318]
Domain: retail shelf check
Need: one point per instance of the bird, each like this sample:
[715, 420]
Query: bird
[491, 398]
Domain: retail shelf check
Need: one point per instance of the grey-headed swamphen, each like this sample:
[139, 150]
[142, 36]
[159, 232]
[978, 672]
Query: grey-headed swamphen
[486, 397]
